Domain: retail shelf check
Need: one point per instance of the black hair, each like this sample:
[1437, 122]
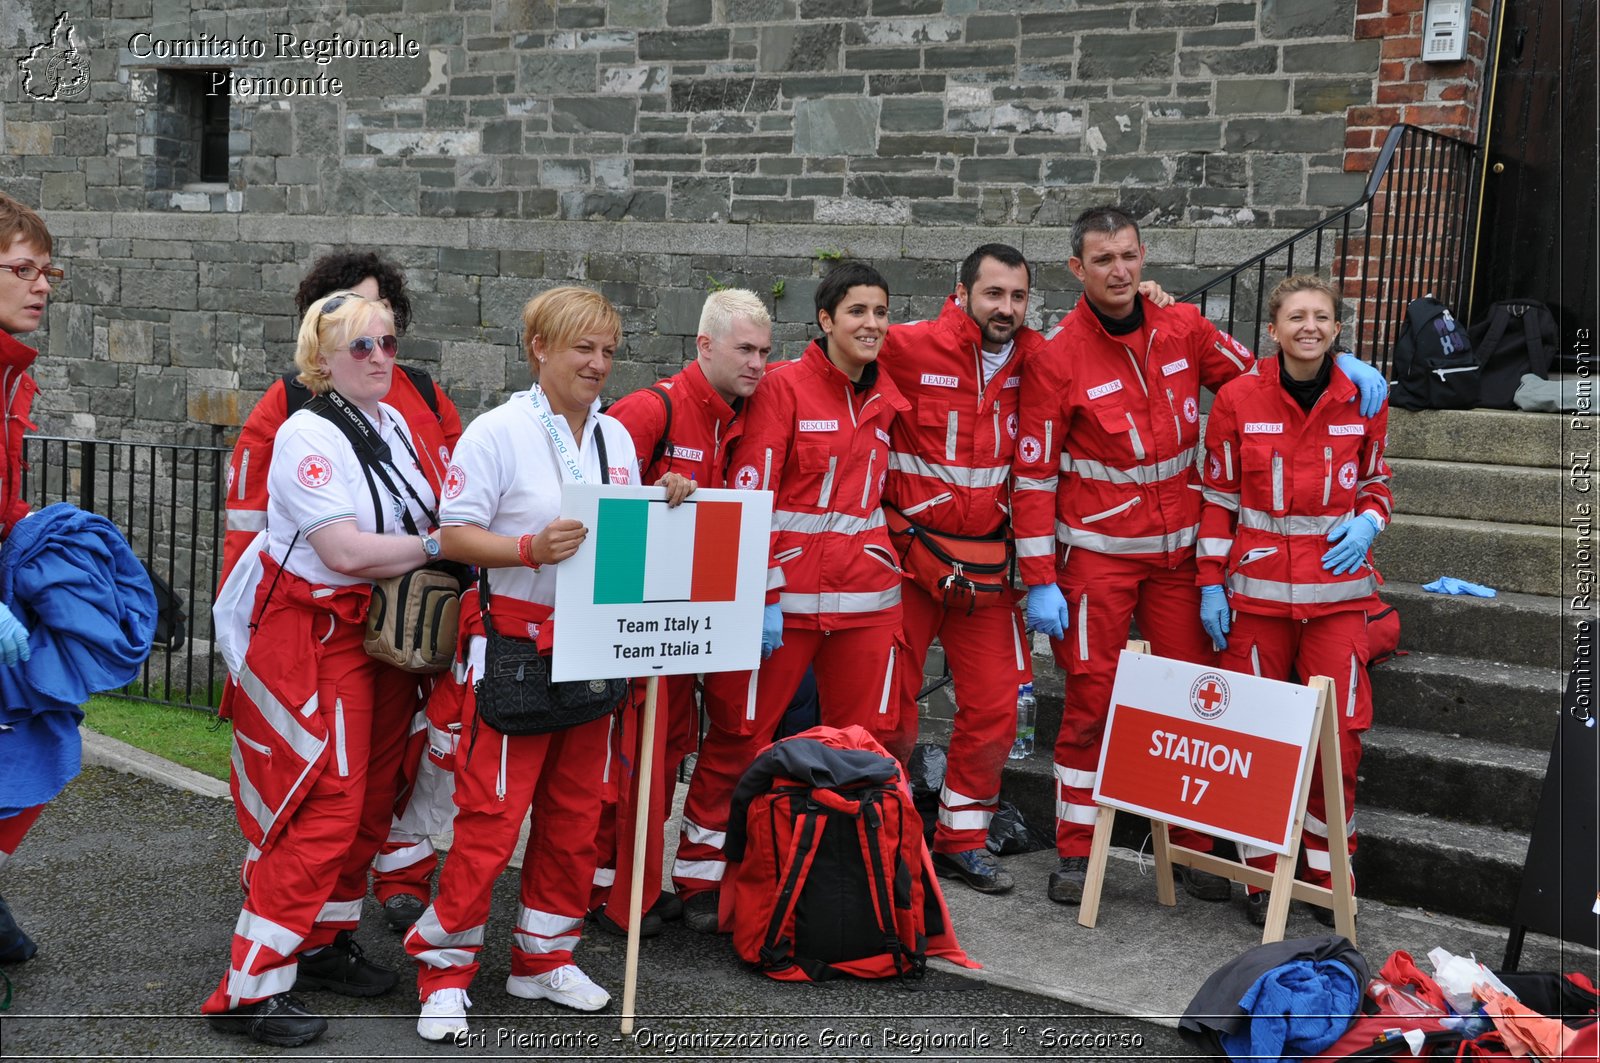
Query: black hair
[844, 276]
[345, 269]
[1004, 254]
[1106, 219]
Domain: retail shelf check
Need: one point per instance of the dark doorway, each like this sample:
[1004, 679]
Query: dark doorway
[1537, 239]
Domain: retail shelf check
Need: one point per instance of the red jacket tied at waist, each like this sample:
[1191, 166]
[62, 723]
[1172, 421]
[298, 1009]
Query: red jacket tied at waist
[1277, 481]
[822, 448]
[950, 466]
[1110, 434]
[280, 737]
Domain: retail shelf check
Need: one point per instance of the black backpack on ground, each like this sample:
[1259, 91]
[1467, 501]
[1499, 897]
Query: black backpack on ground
[1434, 368]
[172, 619]
[1518, 336]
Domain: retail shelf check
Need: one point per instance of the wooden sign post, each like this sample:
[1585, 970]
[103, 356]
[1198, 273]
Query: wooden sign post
[1228, 754]
[657, 591]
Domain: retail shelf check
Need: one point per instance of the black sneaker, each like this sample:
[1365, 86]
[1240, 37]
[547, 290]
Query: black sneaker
[649, 923]
[700, 912]
[1255, 908]
[403, 909]
[1202, 885]
[15, 945]
[668, 908]
[976, 867]
[281, 1020]
[1067, 881]
[343, 968]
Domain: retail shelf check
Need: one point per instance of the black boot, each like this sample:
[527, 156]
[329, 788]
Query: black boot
[15, 946]
[344, 969]
[281, 1020]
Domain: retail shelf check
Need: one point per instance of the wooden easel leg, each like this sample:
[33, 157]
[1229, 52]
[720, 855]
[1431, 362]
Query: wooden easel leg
[1344, 904]
[1099, 852]
[1161, 847]
[641, 835]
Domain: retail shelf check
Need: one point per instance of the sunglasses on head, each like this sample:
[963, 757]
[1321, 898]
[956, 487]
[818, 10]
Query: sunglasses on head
[361, 347]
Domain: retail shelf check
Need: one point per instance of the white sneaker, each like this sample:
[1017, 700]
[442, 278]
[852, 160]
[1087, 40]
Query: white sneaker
[566, 986]
[444, 1014]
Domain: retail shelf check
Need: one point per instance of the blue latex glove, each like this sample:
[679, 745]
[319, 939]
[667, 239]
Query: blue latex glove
[1451, 585]
[771, 629]
[1373, 387]
[1047, 610]
[13, 638]
[1354, 538]
[1215, 616]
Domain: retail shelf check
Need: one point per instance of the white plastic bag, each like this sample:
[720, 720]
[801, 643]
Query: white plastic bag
[1457, 975]
[230, 613]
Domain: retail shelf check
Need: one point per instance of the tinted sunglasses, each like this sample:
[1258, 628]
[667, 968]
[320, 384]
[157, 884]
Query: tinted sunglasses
[361, 347]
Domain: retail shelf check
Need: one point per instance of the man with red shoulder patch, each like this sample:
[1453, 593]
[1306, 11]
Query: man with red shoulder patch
[950, 473]
[1107, 471]
[684, 424]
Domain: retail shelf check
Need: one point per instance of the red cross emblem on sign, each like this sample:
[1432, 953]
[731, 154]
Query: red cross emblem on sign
[1209, 695]
[747, 478]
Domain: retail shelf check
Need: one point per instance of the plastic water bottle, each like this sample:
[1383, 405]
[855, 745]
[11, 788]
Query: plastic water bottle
[1023, 746]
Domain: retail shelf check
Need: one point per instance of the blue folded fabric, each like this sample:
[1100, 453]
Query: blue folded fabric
[1451, 585]
[1296, 1010]
[72, 579]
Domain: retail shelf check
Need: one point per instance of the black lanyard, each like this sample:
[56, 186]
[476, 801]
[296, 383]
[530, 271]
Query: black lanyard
[373, 453]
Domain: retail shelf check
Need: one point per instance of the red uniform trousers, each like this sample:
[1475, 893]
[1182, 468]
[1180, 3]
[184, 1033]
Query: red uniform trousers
[13, 828]
[499, 779]
[309, 883]
[677, 732]
[855, 685]
[406, 861]
[1334, 645]
[1103, 592]
[989, 659]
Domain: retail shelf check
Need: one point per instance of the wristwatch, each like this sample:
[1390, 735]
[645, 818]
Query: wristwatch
[430, 545]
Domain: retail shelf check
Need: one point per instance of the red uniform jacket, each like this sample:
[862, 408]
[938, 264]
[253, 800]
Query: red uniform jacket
[950, 469]
[1277, 481]
[17, 390]
[822, 448]
[701, 433]
[435, 437]
[1109, 437]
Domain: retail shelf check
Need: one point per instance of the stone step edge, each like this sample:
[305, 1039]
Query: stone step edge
[1410, 741]
[1521, 676]
[1490, 844]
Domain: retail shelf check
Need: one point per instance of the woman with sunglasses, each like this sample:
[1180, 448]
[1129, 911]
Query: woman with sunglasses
[319, 725]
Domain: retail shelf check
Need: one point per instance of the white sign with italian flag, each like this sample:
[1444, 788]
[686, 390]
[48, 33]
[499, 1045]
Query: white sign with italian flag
[655, 590]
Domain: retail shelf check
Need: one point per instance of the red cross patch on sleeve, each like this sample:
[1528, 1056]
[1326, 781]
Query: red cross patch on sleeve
[315, 470]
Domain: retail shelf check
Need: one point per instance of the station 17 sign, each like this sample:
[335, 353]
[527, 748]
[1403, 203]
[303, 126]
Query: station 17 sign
[1206, 748]
[658, 590]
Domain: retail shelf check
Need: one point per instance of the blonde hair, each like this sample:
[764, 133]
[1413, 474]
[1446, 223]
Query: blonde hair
[561, 316]
[729, 304]
[1301, 282]
[17, 219]
[322, 334]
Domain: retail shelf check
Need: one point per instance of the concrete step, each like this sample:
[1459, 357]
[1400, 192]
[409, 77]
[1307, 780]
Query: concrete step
[1481, 700]
[1508, 493]
[1415, 859]
[1493, 437]
[1457, 779]
[1513, 628]
[1508, 557]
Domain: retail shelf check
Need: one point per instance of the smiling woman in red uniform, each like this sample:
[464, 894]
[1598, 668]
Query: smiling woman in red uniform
[1296, 489]
[316, 748]
[816, 434]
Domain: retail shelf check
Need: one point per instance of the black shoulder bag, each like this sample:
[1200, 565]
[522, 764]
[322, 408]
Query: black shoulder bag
[515, 694]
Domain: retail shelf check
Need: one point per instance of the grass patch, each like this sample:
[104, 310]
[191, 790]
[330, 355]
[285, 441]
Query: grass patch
[184, 736]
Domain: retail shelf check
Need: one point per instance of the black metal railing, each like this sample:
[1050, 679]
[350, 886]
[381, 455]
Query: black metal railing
[1406, 236]
[167, 499]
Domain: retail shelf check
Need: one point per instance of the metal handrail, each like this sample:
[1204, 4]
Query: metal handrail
[1409, 227]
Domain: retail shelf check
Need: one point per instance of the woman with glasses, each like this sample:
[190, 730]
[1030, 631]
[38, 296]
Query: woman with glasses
[25, 247]
[319, 725]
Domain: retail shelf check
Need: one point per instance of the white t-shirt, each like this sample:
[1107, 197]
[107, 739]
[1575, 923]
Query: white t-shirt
[993, 362]
[317, 480]
[506, 476]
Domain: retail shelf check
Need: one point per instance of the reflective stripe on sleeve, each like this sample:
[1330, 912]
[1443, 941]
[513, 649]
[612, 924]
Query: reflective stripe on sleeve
[1038, 546]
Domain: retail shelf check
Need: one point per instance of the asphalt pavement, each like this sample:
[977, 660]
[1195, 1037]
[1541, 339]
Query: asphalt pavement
[129, 885]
